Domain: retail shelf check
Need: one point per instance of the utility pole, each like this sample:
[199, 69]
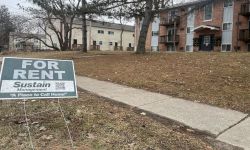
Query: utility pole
[84, 27]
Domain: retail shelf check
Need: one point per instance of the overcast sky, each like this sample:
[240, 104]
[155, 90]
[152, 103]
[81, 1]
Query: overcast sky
[12, 4]
[14, 9]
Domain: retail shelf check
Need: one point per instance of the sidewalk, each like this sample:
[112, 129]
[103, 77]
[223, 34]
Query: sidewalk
[228, 126]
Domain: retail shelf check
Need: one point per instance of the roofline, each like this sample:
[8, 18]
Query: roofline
[187, 4]
[130, 26]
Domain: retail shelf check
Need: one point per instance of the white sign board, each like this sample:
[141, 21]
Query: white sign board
[23, 78]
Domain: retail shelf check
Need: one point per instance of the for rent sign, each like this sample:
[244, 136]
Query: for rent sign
[37, 78]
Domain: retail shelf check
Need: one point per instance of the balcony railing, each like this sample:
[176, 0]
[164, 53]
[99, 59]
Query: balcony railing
[245, 9]
[118, 48]
[170, 21]
[76, 46]
[95, 47]
[130, 48]
[244, 35]
[169, 39]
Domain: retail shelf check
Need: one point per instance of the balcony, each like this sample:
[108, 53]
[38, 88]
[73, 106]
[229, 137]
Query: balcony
[170, 21]
[244, 35]
[95, 47]
[245, 9]
[130, 48]
[118, 48]
[167, 39]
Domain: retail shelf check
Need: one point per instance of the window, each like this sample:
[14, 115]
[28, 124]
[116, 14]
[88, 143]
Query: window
[129, 45]
[228, 3]
[189, 48]
[208, 11]
[75, 42]
[155, 48]
[170, 48]
[207, 40]
[190, 29]
[226, 47]
[171, 33]
[155, 33]
[227, 26]
[111, 33]
[110, 43]
[100, 42]
[100, 32]
[172, 14]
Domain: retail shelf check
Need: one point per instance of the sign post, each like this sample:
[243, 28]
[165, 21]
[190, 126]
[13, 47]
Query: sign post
[25, 78]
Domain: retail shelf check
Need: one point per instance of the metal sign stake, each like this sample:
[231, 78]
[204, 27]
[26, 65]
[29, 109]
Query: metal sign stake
[66, 124]
[27, 125]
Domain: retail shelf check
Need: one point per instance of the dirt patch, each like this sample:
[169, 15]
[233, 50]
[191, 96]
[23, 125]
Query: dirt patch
[95, 123]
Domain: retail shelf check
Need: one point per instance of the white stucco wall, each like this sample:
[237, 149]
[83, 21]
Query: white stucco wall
[155, 28]
[128, 37]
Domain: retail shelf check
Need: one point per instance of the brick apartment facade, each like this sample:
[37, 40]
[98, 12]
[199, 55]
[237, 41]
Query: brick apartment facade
[205, 25]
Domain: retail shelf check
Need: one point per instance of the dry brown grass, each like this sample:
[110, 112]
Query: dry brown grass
[219, 79]
[95, 123]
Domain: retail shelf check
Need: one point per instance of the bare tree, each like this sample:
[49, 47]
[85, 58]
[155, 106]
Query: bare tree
[84, 27]
[6, 26]
[146, 9]
[119, 15]
[53, 15]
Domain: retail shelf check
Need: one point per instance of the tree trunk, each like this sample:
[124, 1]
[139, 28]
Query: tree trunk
[84, 28]
[141, 48]
[121, 38]
[70, 36]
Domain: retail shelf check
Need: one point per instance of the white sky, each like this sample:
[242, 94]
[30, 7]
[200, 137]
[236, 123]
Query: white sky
[14, 9]
[12, 5]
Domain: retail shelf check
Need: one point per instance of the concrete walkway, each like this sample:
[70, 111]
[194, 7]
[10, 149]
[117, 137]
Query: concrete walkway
[228, 126]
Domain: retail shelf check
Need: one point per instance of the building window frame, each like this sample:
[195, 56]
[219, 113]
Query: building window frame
[207, 40]
[228, 3]
[205, 12]
[226, 47]
[189, 30]
[111, 32]
[155, 33]
[129, 45]
[100, 31]
[226, 28]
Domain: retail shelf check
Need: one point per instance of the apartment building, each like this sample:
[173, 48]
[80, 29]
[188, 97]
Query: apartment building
[101, 35]
[25, 41]
[206, 25]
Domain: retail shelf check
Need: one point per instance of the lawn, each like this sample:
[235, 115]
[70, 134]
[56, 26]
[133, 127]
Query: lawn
[95, 123]
[219, 79]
